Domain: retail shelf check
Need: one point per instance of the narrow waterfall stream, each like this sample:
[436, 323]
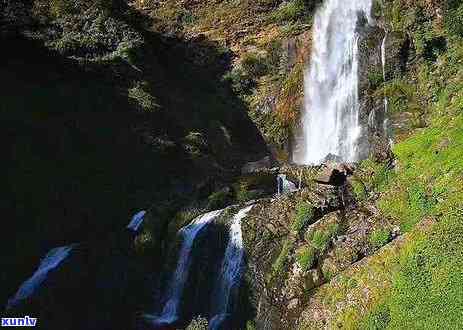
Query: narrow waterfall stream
[231, 270]
[177, 283]
[136, 221]
[51, 260]
[330, 121]
[383, 62]
[386, 125]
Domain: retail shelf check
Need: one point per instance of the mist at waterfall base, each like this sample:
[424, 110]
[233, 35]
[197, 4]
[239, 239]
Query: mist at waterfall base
[330, 121]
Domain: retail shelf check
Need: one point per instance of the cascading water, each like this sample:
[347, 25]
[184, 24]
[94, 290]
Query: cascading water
[284, 185]
[383, 62]
[136, 221]
[51, 260]
[386, 127]
[170, 311]
[231, 271]
[330, 122]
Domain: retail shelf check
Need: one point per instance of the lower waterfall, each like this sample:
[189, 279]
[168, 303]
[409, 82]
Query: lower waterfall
[177, 283]
[231, 270]
[51, 260]
[136, 221]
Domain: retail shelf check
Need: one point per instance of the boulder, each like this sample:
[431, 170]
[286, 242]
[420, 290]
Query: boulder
[334, 174]
[312, 279]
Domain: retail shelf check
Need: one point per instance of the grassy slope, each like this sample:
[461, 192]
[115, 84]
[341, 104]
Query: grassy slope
[418, 286]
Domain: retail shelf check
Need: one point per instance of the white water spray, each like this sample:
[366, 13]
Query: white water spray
[51, 260]
[177, 283]
[330, 122]
[231, 270]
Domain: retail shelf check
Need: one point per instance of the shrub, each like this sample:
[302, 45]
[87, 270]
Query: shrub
[290, 11]
[144, 242]
[218, 199]
[254, 65]
[242, 192]
[250, 325]
[195, 144]
[240, 81]
[304, 214]
[198, 323]
[243, 76]
[306, 257]
[291, 94]
[379, 238]
[375, 79]
[274, 54]
[142, 97]
[61, 8]
[322, 237]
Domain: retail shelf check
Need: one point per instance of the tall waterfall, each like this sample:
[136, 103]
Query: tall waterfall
[51, 260]
[171, 308]
[231, 271]
[330, 121]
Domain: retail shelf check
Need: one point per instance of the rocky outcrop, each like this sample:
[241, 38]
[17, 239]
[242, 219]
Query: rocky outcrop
[334, 174]
[297, 242]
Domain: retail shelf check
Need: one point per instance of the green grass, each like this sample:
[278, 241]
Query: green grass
[304, 214]
[322, 237]
[359, 189]
[306, 257]
[377, 319]
[279, 264]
